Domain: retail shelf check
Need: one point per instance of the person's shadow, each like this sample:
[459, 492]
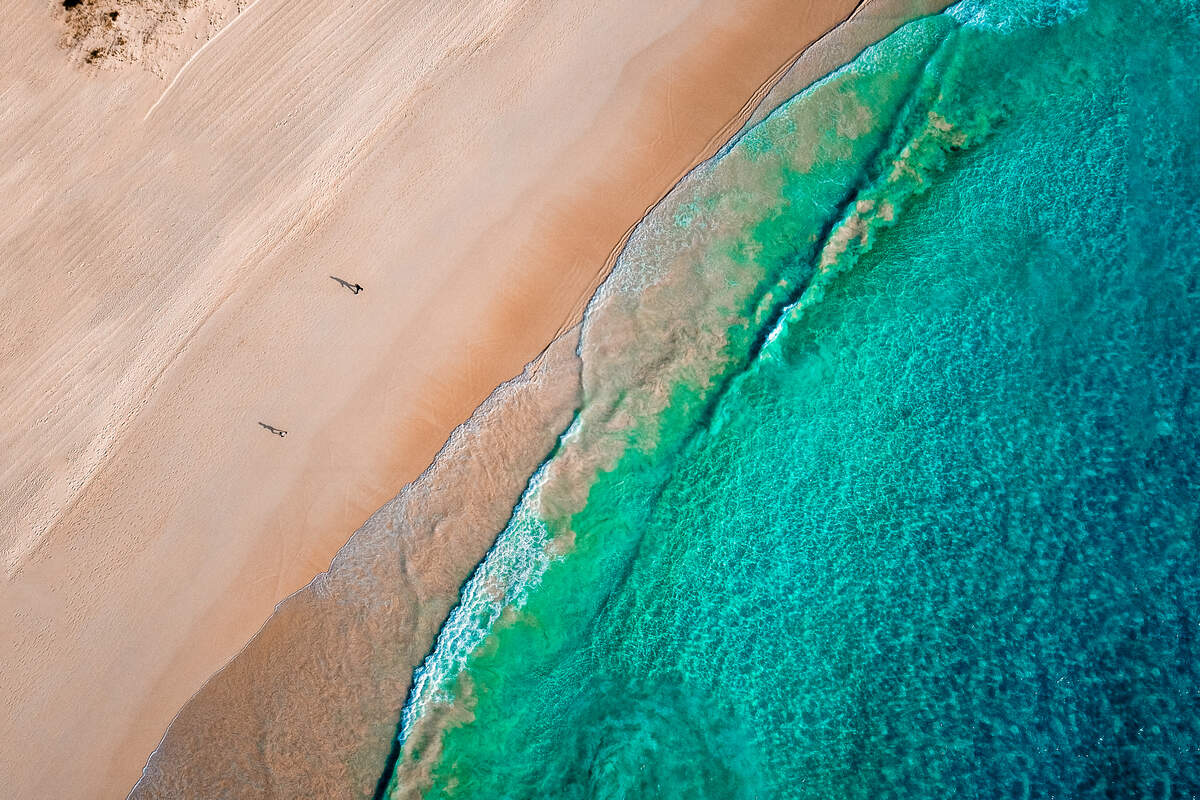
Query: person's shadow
[354, 287]
[277, 431]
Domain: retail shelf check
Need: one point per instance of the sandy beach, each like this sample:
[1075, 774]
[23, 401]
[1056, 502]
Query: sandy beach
[174, 217]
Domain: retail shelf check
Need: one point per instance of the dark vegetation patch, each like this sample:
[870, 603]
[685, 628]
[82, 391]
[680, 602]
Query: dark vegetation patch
[114, 33]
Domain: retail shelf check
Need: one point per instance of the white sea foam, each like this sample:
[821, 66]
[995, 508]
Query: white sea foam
[511, 570]
[1010, 17]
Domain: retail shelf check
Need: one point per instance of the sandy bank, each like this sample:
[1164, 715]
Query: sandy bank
[167, 246]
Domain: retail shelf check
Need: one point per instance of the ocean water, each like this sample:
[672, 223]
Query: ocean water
[886, 479]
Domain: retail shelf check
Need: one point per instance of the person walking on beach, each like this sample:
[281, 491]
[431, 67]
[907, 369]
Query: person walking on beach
[354, 287]
[277, 431]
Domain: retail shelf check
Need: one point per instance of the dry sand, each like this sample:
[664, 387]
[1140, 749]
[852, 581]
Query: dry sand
[171, 209]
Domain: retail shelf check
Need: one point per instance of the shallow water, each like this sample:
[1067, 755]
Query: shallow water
[886, 480]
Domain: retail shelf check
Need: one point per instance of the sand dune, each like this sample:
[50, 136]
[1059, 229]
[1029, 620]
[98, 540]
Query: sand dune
[172, 214]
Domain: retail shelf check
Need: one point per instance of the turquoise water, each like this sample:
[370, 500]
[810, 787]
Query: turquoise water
[885, 484]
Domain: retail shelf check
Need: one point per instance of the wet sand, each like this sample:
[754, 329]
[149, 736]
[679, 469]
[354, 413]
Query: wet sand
[170, 227]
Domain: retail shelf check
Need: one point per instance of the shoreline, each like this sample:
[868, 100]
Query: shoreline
[188, 296]
[181, 748]
[626, 315]
[412, 548]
